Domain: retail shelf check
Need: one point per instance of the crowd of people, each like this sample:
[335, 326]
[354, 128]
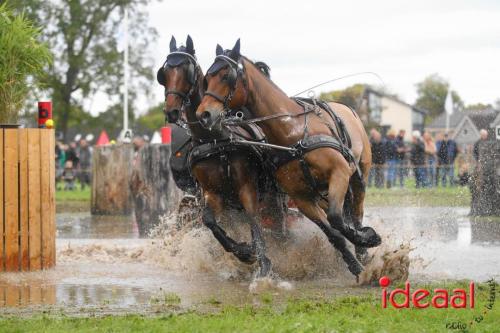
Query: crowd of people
[431, 161]
[73, 163]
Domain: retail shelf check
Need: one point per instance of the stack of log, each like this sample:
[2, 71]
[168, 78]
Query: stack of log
[138, 180]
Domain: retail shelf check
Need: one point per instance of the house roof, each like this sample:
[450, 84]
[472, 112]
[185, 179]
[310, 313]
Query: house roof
[485, 118]
[369, 89]
[481, 118]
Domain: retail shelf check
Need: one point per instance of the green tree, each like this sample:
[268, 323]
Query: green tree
[350, 96]
[431, 95]
[478, 106]
[83, 36]
[21, 56]
[153, 120]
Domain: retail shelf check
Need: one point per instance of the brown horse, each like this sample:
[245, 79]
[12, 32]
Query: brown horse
[322, 172]
[228, 177]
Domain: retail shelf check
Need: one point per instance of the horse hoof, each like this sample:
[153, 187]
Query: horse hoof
[245, 253]
[368, 237]
[362, 255]
[355, 268]
[265, 267]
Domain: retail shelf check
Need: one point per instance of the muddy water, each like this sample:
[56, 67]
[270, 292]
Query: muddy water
[104, 266]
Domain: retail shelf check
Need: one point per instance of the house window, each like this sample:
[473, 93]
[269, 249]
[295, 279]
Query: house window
[375, 107]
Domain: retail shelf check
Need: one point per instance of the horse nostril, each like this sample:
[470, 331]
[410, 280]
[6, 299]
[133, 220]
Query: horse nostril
[173, 116]
[206, 118]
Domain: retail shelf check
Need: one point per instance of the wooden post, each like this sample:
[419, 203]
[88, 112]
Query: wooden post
[111, 170]
[153, 190]
[27, 199]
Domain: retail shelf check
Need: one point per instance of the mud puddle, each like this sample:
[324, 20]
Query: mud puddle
[103, 265]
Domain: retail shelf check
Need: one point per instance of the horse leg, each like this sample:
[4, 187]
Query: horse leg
[213, 208]
[248, 198]
[357, 212]
[318, 216]
[337, 189]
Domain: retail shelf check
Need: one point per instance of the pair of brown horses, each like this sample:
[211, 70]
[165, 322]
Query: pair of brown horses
[319, 178]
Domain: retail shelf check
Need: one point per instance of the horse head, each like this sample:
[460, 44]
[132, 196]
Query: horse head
[224, 86]
[181, 76]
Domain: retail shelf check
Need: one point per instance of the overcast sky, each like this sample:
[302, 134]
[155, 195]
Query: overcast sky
[306, 42]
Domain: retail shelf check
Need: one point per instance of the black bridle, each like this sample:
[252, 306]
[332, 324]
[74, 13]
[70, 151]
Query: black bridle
[236, 70]
[192, 79]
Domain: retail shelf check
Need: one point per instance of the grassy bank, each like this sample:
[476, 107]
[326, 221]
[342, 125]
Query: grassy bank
[407, 196]
[344, 314]
[410, 196]
[73, 201]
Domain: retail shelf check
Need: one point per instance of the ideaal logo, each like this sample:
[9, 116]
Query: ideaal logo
[439, 298]
[423, 298]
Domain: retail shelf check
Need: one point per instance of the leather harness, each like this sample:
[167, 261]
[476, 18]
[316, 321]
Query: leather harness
[339, 140]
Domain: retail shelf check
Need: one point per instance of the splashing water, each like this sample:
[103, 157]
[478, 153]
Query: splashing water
[190, 248]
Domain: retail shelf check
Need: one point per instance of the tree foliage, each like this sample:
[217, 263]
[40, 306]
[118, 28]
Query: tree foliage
[21, 56]
[83, 36]
[431, 95]
[350, 96]
[153, 120]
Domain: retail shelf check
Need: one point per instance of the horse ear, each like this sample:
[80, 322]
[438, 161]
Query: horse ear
[189, 45]
[235, 52]
[173, 44]
[218, 50]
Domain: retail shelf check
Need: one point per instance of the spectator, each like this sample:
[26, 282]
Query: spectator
[401, 150]
[483, 136]
[378, 158]
[68, 176]
[417, 157]
[71, 154]
[391, 157]
[85, 163]
[430, 159]
[447, 151]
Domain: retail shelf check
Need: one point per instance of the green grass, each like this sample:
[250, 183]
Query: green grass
[411, 196]
[73, 201]
[75, 195]
[344, 314]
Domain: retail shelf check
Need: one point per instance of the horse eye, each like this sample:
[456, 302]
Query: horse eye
[225, 77]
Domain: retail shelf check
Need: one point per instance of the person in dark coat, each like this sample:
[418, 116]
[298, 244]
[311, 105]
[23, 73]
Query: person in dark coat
[391, 157]
[378, 158]
[417, 157]
[401, 150]
[483, 136]
[447, 152]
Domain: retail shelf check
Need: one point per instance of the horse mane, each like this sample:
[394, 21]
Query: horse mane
[257, 66]
[264, 68]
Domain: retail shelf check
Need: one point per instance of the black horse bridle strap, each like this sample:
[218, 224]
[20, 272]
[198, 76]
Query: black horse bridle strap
[182, 95]
[214, 95]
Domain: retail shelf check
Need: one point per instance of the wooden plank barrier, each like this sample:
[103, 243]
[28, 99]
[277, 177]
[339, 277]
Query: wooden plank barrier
[27, 199]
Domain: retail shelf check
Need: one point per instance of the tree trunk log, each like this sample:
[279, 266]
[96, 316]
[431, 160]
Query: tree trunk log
[111, 172]
[153, 190]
